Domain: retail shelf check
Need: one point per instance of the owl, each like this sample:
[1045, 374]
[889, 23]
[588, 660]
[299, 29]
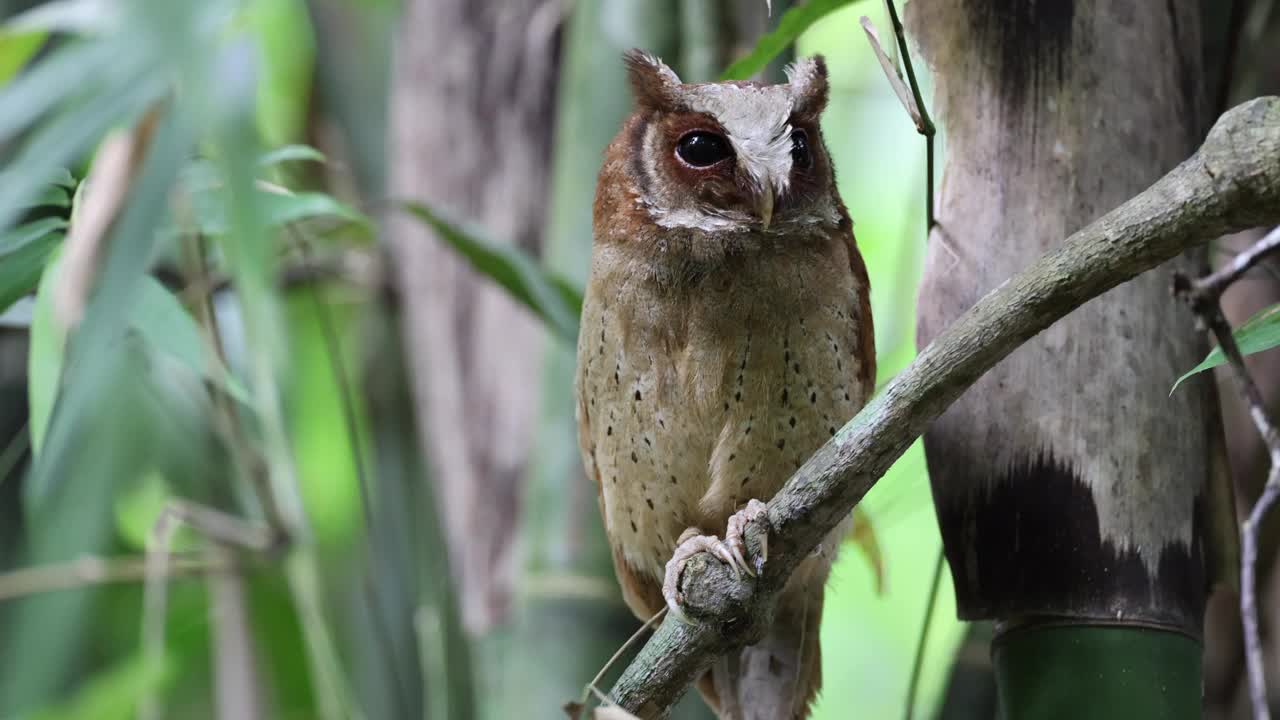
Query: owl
[726, 334]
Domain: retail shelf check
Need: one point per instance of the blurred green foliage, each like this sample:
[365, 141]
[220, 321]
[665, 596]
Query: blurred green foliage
[199, 369]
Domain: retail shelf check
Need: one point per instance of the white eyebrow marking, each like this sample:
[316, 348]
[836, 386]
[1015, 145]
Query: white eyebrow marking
[756, 120]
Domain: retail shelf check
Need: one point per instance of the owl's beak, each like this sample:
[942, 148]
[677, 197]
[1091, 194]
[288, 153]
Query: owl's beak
[764, 205]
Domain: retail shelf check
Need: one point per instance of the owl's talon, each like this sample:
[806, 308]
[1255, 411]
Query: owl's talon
[690, 544]
[735, 535]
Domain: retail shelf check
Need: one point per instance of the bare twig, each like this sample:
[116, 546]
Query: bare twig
[98, 570]
[574, 710]
[215, 526]
[1204, 296]
[1218, 282]
[246, 459]
[1231, 183]
[237, 685]
[913, 685]
[913, 101]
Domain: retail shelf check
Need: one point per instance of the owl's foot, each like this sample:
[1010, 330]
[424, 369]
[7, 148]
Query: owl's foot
[735, 536]
[691, 543]
[732, 551]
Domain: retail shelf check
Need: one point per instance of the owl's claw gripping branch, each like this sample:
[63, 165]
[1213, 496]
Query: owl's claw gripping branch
[691, 543]
[1231, 183]
[735, 536]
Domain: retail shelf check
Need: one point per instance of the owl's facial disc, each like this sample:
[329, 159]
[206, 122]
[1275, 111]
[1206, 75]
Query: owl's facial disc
[731, 156]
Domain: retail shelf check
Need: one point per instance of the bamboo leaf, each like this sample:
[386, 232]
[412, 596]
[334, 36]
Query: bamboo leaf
[113, 693]
[16, 48]
[71, 16]
[1258, 333]
[543, 292]
[291, 153]
[169, 329]
[24, 251]
[279, 208]
[794, 22]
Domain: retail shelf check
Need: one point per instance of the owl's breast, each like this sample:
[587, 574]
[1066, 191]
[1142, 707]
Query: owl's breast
[695, 399]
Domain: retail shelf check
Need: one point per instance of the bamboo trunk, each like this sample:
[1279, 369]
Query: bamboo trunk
[1069, 484]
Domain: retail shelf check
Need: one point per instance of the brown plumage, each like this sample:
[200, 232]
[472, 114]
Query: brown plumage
[726, 334]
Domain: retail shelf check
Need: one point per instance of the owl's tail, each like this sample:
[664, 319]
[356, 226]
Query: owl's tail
[778, 677]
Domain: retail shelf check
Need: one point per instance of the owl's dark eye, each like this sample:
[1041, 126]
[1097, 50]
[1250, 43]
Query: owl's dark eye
[703, 149]
[800, 156]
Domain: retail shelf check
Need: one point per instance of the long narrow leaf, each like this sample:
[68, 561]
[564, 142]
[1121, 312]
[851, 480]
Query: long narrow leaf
[794, 22]
[289, 153]
[23, 254]
[546, 294]
[1258, 333]
[16, 48]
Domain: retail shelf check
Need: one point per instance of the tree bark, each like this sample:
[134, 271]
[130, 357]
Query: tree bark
[471, 107]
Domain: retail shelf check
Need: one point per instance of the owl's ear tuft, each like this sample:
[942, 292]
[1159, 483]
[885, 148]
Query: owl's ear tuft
[656, 86]
[808, 80]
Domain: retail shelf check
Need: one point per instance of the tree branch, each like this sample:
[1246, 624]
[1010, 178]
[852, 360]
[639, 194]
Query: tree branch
[1231, 183]
[1204, 296]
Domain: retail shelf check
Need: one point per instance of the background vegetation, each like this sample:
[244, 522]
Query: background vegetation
[200, 346]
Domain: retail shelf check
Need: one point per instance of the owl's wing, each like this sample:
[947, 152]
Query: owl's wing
[640, 592]
[865, 349]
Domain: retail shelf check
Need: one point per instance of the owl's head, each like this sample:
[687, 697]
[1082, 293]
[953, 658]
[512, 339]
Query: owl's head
[730, 156]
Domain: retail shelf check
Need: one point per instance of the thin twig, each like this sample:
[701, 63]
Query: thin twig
[154, 602]
[98, 570]
[215, 526]
[1218, 281]
[918, 665]
[925, 126]
[247, 460]
[1204, 297]
[913, 102]
[595, 681]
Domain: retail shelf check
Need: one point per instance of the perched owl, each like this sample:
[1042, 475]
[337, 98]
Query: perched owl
[726, 334]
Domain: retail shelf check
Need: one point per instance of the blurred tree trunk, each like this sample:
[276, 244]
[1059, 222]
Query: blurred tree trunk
[1070, 486]
[470, 133]
[571, 618]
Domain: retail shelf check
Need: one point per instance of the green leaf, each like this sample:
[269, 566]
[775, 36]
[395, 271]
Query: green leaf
[53, 196]
[278, 208]
[168, 328]
[44, 359]
[282, 209]
[794, 22]
[62, 177]
[24, 251]
[291, 153]
[112, 694]
[16, 48]
[71, 16]
[546, 294]
[1258, 333]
